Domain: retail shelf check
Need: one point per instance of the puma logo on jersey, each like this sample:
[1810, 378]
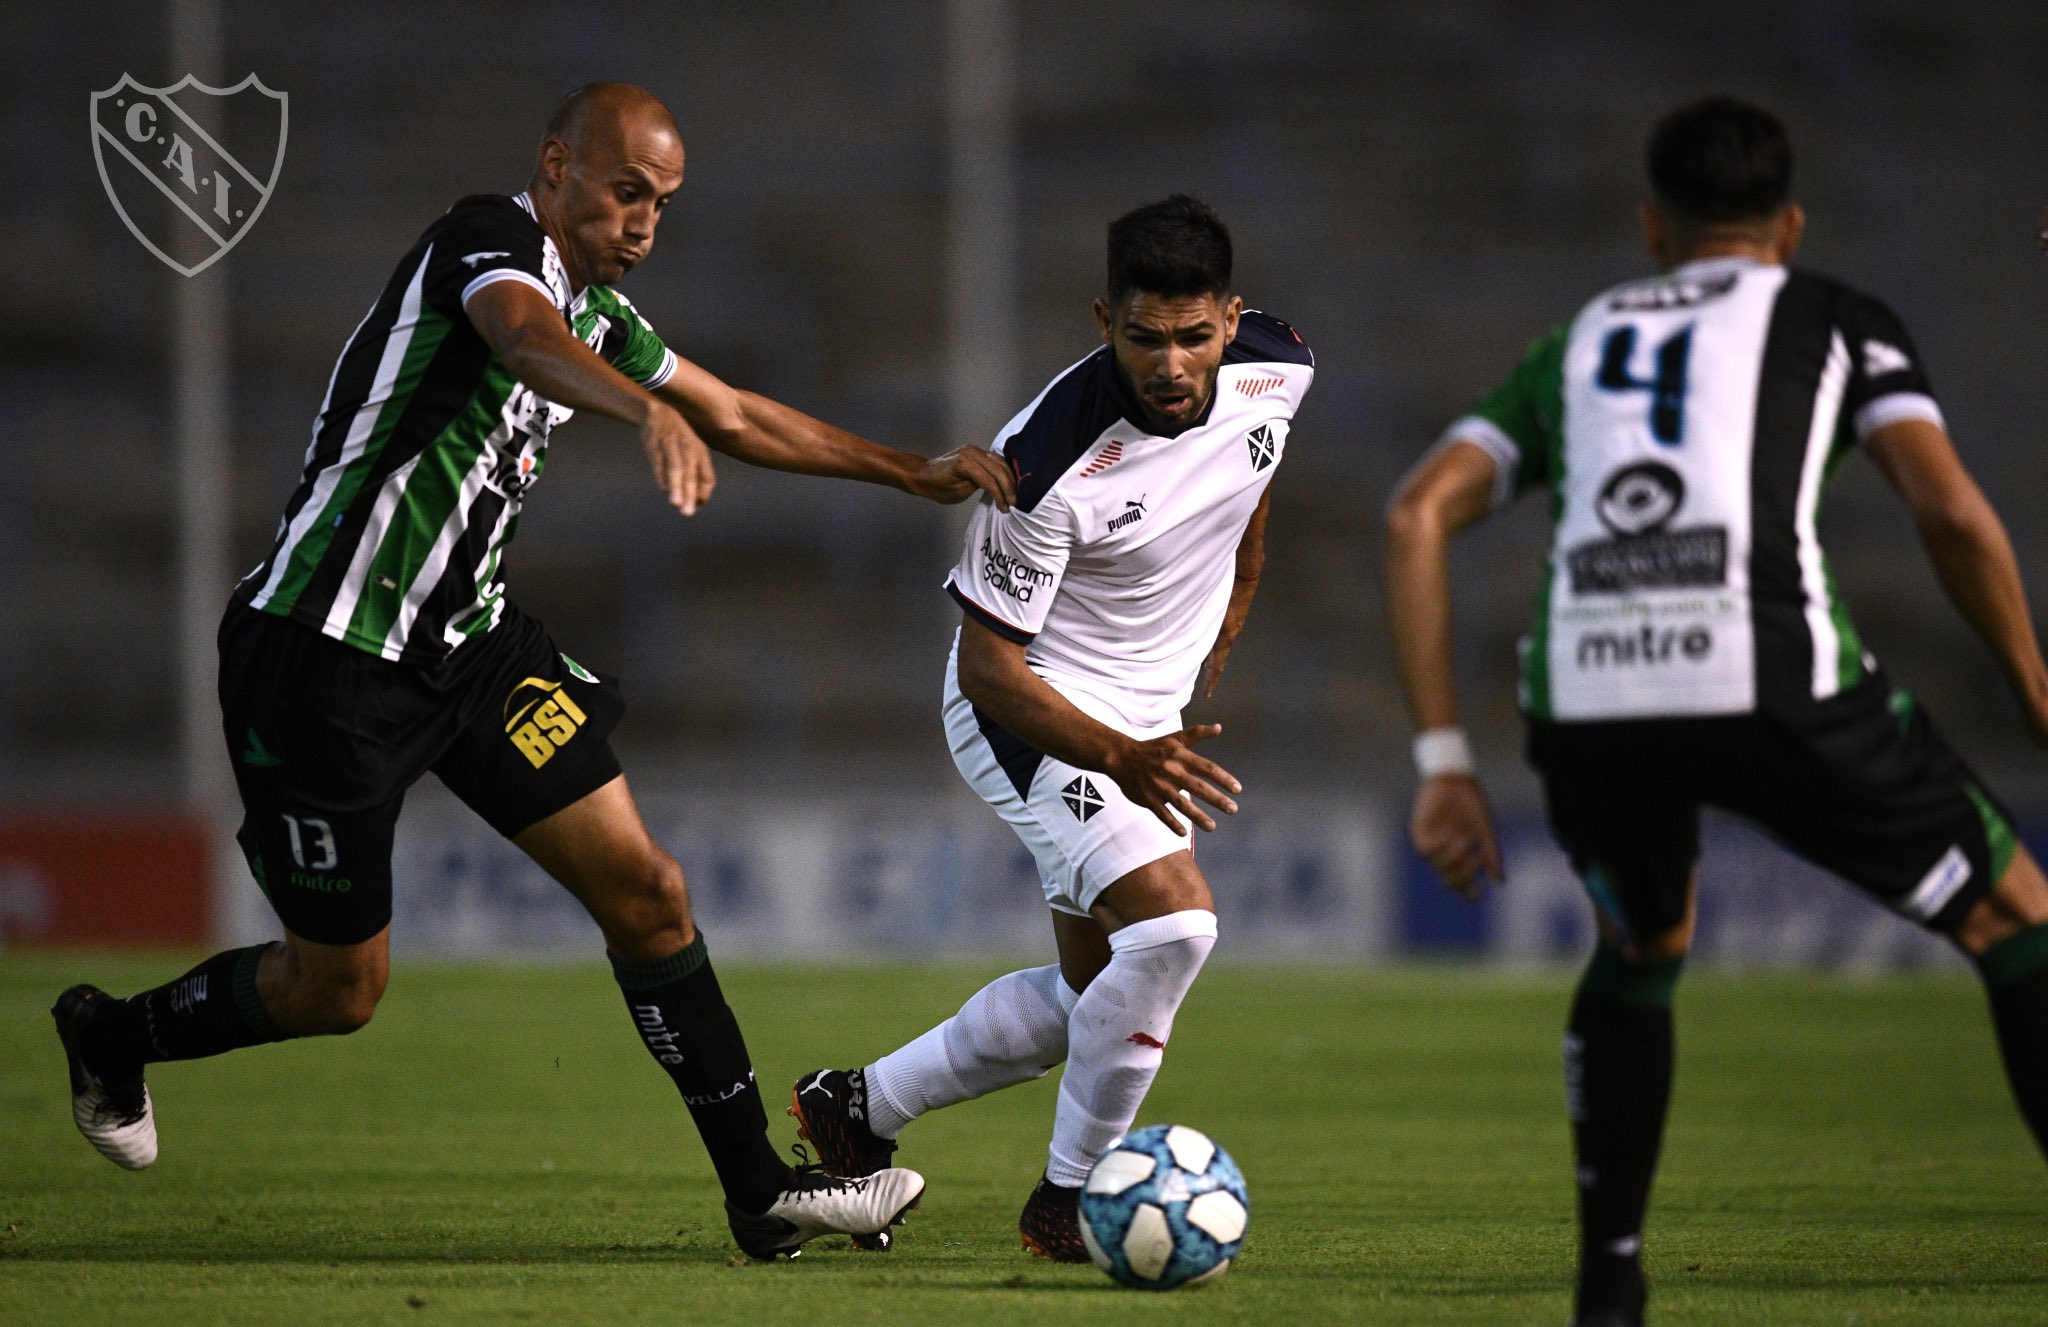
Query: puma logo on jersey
[1879, 358]
[1133, 513]
[475, 258]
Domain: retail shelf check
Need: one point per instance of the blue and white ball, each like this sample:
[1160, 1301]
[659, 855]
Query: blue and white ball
[1164, 1207]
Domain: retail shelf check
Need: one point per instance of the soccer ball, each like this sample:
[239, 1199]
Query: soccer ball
[1163, 1207]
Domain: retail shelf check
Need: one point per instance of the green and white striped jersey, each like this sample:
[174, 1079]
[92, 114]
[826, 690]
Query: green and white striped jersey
[426, 445]
[1686, 426]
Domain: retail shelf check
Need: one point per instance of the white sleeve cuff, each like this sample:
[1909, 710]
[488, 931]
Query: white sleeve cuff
[505, 274]
[665, 372]
[1490, 438]
[1894, 408]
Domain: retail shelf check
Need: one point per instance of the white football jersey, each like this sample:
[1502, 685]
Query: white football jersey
[1115, 564]
[1687, 426]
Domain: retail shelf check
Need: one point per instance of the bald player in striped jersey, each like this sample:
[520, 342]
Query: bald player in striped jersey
[1690, 648]
[375, 643]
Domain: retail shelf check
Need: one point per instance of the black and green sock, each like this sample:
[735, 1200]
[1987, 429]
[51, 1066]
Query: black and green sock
[683, 1019]
[1618, 1063]
[2015, 972]
[211, 1009]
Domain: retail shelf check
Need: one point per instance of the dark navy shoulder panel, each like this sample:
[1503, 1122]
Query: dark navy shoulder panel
[1264, 339]
[1068, 419]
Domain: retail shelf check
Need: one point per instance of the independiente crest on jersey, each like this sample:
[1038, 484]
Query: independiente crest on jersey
[1260, 440]
[189, 167]
[1081, 798]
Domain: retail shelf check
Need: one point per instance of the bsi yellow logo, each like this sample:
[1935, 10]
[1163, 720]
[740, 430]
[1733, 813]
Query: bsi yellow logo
[541, 724]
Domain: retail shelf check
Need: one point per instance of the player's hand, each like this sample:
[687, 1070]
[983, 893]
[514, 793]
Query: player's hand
[1453, 831]
[962, 472]
[680, 460]
[1165, 776]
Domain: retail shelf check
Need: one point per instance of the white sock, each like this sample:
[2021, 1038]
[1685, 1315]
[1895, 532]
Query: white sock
[1010, 1031]
[1117, 1035]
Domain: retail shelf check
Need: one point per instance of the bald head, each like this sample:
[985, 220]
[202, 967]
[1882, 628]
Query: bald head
[608, 114]
[610, 161]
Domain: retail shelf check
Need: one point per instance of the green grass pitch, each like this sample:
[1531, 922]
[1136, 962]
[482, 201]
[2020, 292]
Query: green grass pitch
[496, 1148]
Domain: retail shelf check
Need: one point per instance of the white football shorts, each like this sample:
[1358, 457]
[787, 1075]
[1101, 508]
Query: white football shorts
[1083, 832]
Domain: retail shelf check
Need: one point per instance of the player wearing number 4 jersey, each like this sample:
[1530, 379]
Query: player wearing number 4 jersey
[375, 644]
[1090, 607]
[1690, 648]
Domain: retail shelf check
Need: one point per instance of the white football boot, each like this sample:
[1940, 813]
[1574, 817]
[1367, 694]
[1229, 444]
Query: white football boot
[113, 1113]
[815, 1204]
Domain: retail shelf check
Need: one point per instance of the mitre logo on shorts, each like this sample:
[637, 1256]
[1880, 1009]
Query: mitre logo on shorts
[1010, 575]
[540, 718]
[212, 154]
[1260, 440]
[1081, 798]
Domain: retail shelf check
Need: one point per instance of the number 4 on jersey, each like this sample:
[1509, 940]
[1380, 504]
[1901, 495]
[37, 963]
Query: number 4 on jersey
[1666, 385]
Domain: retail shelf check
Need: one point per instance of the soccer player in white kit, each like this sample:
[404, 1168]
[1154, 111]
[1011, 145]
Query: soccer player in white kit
[1118, 578]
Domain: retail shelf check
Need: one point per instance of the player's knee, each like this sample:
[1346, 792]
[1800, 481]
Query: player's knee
[1670, 947]
[650, 903]
[344, 1003]
[2019, 902]
[350, 1015]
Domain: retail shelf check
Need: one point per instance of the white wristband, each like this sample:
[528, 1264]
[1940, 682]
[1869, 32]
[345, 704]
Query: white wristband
[1443, 751]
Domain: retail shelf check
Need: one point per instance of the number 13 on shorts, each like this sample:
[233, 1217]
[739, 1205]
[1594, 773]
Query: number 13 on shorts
[309, 832]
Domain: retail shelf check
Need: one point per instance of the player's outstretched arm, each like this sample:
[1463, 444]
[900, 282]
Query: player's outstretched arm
[754, 429]
[1971, 552]
[1163, 774]
[527, 334]
[1450, 824]
[1251, 564]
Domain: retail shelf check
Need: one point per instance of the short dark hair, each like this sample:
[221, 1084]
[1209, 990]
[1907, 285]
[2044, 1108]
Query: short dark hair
[1177, 246]
[1720, 160]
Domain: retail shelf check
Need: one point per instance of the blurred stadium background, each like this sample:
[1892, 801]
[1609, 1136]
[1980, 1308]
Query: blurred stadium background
[893, 219]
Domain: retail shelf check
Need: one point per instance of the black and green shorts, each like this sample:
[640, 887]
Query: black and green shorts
[1860, 784]
[326, 739]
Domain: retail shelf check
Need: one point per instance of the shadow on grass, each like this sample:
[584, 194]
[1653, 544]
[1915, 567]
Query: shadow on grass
[469, 1253]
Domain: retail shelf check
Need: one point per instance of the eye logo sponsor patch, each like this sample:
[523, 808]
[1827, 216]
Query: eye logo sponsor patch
[1640, 498]
[1637, 503]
